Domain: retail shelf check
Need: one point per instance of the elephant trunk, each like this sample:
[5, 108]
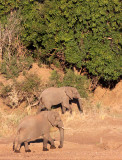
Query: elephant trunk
[61, 137]
[80, 105]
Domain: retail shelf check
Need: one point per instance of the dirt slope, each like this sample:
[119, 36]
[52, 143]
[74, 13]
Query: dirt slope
[112, 98]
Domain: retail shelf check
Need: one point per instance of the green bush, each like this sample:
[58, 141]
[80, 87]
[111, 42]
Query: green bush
[77, 81]
[9, 67]
[13, 66]
[55, 79]
[30, 85]
[5, 90]
[27, 90]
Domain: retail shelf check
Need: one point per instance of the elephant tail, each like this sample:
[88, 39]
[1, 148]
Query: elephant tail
[14, 143]
[15, 139]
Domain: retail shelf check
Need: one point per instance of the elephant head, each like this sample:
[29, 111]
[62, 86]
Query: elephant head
[72, 92]
[55, 120]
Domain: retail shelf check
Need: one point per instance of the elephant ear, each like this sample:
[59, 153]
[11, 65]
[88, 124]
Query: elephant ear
[69, 93]
[51, 117]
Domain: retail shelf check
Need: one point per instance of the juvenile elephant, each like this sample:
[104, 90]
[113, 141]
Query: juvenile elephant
[54, 96]
[33, 127]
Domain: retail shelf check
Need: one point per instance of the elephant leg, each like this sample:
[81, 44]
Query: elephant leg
[45, 140]
[70, 109]
[66, 104]
[16, 146]
[63, 109]
[27, 147]
[47, 106]
[52, 143]
[16, 149]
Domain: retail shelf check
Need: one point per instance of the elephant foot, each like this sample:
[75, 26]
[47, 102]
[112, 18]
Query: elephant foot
[17, 151]
[28, 150]
[60, 146]
[45, 149]
[52, 147]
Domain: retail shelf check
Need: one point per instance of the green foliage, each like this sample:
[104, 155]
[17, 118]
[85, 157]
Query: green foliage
[7, 6]
[56, 63]
[13, 66]
[77, 81]
[32, 23]
[70, 79]
[30, 16]
[103, 62]
[19, 91]
[30, 85]
[10, 68]
[55, 79]
[5, 90]
[87, 33]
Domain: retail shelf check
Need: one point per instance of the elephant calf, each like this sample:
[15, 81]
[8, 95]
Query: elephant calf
[32, 127]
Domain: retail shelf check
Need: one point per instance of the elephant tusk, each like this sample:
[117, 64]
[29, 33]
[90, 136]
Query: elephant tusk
[65, 128]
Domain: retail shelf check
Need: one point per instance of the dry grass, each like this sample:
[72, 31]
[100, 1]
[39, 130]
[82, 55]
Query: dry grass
[9, 121]
[92, 113]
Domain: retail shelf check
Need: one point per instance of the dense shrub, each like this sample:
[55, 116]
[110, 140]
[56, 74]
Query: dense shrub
[27, 90]
[5, 90]
[30, 85]
[55, 79]
[77, 81]
[13, 66]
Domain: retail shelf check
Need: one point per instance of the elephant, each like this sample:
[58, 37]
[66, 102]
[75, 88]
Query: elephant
[32, 127]
[54, 96]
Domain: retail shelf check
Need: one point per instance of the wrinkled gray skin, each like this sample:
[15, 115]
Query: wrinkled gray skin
[54, 96]
[32, 127]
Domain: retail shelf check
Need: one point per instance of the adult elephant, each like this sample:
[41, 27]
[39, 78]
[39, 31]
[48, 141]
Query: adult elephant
[54, 96]
[32, 127]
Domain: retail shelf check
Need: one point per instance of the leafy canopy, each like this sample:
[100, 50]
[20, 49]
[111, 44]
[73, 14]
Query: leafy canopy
[87, 32]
